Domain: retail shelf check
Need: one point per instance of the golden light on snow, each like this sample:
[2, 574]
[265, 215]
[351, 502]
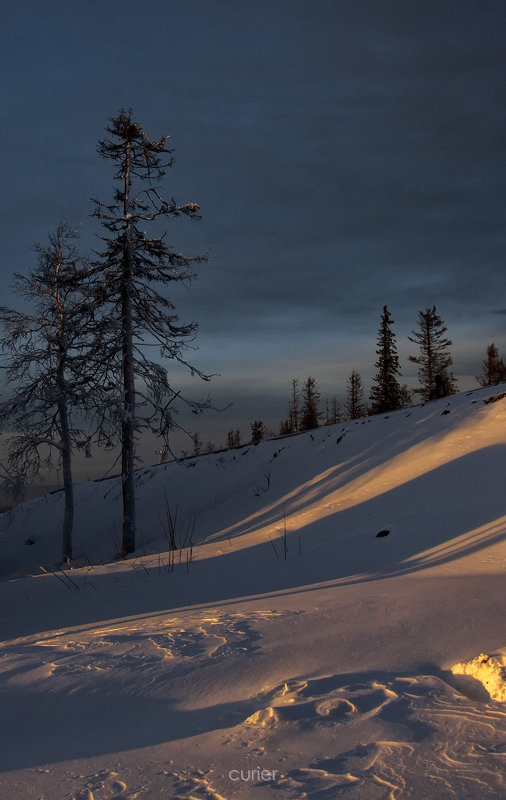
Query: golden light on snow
[369, 476]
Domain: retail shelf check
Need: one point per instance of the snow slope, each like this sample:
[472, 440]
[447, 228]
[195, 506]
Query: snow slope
[293, 652]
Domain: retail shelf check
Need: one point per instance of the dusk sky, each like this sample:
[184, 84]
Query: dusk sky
[345, 155]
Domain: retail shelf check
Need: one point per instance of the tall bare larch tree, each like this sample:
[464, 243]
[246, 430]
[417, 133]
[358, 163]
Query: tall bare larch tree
[134, 314]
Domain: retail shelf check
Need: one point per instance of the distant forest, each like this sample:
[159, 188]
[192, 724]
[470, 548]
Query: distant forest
[306, 410]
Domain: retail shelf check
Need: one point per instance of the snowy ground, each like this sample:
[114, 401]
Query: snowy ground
[296, 654]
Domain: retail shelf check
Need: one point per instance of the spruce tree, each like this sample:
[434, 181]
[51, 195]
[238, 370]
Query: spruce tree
[310, 413]
[434, 360]
[386, 392]
[493, 368]
[257, 431]
[354, 404]
[133, 316]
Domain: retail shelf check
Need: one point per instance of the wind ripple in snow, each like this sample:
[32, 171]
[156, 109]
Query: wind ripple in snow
[388, 739]
[139, 652]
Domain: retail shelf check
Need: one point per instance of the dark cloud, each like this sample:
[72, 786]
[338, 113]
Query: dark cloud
[345, 155]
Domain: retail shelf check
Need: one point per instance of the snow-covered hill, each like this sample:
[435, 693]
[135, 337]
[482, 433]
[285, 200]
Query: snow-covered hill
[301, 648]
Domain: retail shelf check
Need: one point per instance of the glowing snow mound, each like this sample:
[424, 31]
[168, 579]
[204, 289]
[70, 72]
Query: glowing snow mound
[490, 671]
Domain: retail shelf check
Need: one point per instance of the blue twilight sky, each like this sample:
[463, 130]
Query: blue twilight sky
[346, 154]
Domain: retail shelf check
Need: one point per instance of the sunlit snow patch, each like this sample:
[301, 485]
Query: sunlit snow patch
[490, 671]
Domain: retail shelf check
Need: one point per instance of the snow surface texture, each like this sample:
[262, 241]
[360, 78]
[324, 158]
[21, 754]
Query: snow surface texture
[293, 652]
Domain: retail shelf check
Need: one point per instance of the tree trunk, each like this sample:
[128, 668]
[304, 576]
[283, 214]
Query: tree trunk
[63, 416]
[68, 514]
[128, 429]
[128, 420]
